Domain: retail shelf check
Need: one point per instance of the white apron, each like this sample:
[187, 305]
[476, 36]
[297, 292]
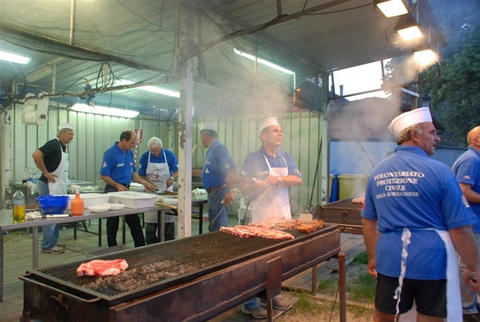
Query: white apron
[274, 202]
[158, 173]
[59, 187]
[454, 304]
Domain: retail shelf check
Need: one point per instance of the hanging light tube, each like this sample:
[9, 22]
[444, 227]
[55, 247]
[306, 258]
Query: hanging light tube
[152, 89]
[263, 61]
[14, 58]
[102, 110]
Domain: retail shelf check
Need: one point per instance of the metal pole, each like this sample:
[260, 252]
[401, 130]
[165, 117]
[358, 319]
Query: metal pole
[341, 287]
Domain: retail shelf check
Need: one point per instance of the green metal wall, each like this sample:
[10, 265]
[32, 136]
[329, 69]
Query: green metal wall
[93, 135]
[304, 135]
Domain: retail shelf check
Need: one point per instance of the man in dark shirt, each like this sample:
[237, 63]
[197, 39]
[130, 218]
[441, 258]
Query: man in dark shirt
[52, 160]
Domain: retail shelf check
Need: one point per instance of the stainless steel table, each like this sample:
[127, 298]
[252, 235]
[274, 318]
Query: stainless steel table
[198, 201]
[6, 224]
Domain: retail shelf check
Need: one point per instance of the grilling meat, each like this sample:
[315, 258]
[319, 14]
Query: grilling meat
[100, 267]
[304, 226]
[255, 231]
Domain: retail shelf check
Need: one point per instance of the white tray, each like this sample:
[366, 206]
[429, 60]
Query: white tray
[133, 199]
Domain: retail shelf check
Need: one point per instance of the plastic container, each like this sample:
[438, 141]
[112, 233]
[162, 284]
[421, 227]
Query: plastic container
[133, 199]
[77, 204]
[18, 206]
[52, 205]
[352, 185]
[90, 199]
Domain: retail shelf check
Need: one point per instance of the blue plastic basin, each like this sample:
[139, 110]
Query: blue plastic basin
[50, 205]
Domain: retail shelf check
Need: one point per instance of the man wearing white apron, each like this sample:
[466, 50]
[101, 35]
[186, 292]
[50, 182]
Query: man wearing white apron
[52, 160]
[414, 220]
[272, 173]
[159, 166]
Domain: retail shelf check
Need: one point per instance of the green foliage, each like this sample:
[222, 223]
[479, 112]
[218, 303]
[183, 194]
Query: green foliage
[454, 87]
[306, 304]
[328, 286]
[362, 288]
[361, 258]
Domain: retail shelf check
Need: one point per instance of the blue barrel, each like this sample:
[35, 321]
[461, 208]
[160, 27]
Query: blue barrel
[335, 189]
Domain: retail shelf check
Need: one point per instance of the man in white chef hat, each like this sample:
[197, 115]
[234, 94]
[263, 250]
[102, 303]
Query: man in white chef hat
[273, 172]
[52, 160]
[418, 208]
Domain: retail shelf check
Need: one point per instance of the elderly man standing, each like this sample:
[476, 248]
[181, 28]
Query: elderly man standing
[158, 166]
[52, 160]
[216, 173]
[272, 173]
[467, 171]
[118, 170]
[415, 217]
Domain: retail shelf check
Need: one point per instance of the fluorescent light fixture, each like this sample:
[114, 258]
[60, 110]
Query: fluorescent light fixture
[111, 111]
[425, 57]
[40, 73]
[14, 58]
[391, 8]
[408, 28]
[152, 89]
[263, 61]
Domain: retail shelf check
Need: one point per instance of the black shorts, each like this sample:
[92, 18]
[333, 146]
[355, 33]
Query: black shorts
[429, 295]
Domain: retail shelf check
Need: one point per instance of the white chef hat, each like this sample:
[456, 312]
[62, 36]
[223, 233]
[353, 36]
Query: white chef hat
[407, 119]
[207, 126]
[64, 126]
[268, 122]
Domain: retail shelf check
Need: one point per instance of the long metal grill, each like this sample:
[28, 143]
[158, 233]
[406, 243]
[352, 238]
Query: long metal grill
[345, 213]
[159, 266]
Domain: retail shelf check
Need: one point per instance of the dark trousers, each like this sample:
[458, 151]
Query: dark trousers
[133, 223]
[151, 232]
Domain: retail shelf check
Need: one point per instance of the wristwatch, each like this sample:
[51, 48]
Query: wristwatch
[172, 178]
[279, 180]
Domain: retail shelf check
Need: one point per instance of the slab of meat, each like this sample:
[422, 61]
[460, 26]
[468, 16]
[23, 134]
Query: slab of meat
[99, 267]
[248, 231]
[239, 231]
[309, 226]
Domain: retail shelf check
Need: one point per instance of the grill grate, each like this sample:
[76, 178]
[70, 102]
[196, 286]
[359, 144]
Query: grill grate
[343, 204]
[162, 263]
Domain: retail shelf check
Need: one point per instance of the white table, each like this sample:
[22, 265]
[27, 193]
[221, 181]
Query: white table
[6, 224]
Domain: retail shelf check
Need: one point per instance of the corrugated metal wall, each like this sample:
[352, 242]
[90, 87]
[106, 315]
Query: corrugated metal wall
[304, 137]
[93, 135]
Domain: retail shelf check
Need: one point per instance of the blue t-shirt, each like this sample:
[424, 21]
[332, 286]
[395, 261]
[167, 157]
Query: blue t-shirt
[256, 167]
[172, 161]
[467, 170]
[217, 164]
[118, 164]
[409, 189]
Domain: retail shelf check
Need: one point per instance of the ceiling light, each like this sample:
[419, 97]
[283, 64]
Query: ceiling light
[14, 58]
[425, 57]
[263, 61]
[111, 111]
[391, 8]
[40, 73]
[152, 89]
[408, 28]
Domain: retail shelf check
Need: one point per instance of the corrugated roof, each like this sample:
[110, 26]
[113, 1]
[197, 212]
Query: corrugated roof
[136, 40]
